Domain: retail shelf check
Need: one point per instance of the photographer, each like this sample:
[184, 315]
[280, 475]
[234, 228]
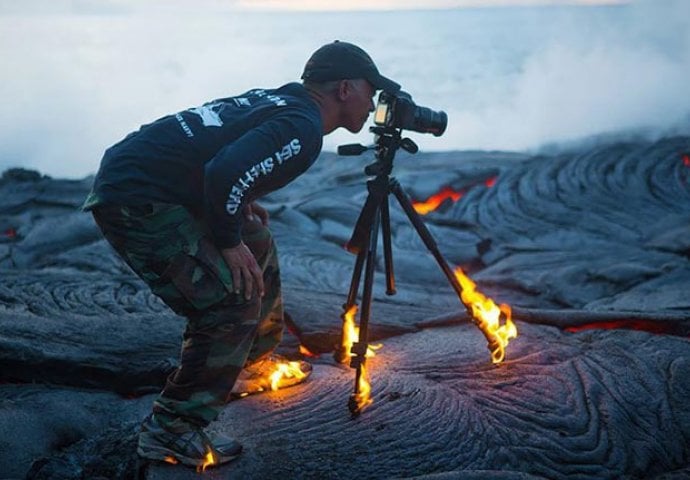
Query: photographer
[176, 201]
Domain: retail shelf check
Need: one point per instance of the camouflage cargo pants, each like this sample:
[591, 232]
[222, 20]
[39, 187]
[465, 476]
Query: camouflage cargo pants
[172, 251]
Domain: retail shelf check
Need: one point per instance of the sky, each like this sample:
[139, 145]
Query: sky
[78, 75]
[409, 4]
[282, 5]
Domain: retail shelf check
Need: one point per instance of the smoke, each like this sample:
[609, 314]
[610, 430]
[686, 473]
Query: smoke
[589, 79]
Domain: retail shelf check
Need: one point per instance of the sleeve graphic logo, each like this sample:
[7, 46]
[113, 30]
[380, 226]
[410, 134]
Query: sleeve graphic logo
[261, 169]
[242, 102]
[209, 116]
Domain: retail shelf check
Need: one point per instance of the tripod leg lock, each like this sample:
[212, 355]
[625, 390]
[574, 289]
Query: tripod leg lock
[359, 350]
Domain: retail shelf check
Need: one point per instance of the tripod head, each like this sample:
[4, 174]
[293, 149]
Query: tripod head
[387, 141]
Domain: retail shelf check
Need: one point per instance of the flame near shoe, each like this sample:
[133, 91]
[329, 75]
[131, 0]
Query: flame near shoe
[270, 374]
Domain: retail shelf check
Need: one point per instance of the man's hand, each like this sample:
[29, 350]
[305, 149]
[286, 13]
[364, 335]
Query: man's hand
[244, 268]
[256, 209]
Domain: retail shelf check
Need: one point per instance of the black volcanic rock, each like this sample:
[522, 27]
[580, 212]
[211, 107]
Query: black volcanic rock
[573, 240]
[562, 406]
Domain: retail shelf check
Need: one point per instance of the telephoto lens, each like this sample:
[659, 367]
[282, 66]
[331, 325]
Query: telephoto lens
[427, 120]
[400, 111]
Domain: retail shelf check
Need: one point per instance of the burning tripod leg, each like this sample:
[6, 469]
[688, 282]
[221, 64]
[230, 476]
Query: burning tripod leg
[350, 333]
[481, 309]
[361, 398]
[375, 212]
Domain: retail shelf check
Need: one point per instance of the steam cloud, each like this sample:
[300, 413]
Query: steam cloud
[595, 79]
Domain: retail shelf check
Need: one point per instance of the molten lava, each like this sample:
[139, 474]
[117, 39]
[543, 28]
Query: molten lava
[446, 193]
[659, 328]
[434, 201]
[487, 316]
[285, 370]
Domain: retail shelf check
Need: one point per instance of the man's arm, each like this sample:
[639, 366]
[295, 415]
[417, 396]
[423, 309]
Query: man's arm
[255, 210]
[262, 160]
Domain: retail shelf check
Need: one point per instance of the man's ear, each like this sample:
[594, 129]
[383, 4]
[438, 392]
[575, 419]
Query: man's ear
[344, 90]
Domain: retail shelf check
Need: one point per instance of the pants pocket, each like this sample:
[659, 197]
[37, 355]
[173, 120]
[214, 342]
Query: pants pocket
[200, 277]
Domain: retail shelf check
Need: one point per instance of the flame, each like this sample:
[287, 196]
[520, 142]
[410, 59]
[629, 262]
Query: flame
[363, 396]
[350, 331]
[351, 335]
[306, 352]
[171, 460]
[434, 201]
[285, 370]
[490, 182]
[208, 461]
[487, 317]
[686, 160]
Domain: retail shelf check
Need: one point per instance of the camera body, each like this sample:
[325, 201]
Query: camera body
[399, 111]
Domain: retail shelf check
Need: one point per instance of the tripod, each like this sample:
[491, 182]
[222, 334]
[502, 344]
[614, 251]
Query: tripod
[375, 214]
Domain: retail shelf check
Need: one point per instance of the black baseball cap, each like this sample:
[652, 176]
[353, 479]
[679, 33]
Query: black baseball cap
[342, 60]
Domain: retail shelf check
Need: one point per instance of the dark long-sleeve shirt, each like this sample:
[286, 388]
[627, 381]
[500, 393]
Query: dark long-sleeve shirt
[215, 158]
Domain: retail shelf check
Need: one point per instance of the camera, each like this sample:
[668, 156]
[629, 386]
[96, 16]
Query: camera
[399, 111]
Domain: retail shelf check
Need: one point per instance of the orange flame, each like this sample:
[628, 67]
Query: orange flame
[285, 370]
[363, 396]
[350, 331]
[208, 461]
[306, 352]
[351, 335]
[171, 460]
[434, 201]
[487, 317]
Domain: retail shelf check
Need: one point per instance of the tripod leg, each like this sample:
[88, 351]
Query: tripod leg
[426, 237]
[341, 354]
[360, 399]
[356, 276]
[368, 284]
[368, 217]
[378, 192]
[496, 341]
[387, 248]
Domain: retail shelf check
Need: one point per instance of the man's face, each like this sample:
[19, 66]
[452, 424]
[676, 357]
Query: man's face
[358, 104]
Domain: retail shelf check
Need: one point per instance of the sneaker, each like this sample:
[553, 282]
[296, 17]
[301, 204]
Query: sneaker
[272, 373]
[194, 448]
